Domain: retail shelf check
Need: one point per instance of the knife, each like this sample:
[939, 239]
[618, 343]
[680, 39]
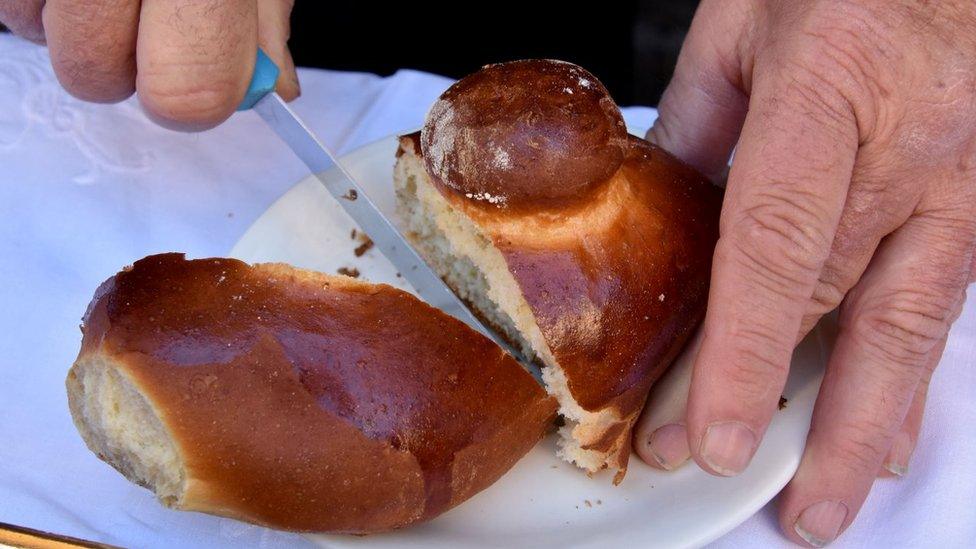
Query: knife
[262, 98]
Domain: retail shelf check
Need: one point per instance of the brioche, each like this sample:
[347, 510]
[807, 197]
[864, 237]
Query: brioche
[294, 399]
[587, 248]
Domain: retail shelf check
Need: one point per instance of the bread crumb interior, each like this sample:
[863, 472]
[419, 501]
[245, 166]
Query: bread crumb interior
[461, 254]
[119, 424]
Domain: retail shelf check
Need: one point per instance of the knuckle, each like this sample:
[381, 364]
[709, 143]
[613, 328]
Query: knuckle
[843, 58]
[859, 446]
[902, 326]
[781, 240]
[812, 91]
[845, 40]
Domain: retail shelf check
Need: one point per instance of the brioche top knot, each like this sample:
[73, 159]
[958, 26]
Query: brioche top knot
[524, 132]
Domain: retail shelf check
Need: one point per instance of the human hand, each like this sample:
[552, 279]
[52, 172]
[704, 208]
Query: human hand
[853, 184]
[190, 61]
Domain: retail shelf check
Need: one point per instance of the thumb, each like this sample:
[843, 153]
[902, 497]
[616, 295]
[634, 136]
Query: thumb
[702, 110]
[274, 29]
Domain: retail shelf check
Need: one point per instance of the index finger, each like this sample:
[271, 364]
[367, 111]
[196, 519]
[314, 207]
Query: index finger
[23, 18]
[785, 194]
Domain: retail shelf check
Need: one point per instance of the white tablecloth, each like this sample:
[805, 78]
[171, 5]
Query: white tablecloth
[86, 189]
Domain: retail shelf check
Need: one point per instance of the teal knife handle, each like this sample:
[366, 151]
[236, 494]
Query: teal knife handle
[262, 82]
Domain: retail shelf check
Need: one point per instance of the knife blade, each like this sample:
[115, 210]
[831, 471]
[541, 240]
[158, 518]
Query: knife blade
[385, 236]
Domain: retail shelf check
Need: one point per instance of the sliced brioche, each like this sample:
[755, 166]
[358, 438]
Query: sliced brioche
[588, 248]
[294, 399]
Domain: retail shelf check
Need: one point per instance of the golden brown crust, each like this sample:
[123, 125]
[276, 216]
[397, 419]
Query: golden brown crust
[631, 269]
[524, 133]
[636, 280]
[315, 403]
[616, 282]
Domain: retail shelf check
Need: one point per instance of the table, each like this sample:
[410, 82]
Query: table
[86, 189]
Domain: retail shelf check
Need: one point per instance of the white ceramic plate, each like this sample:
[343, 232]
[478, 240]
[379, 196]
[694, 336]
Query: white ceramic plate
[543, 501]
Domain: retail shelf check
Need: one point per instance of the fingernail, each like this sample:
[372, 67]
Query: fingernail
[820, 523]
[669, 446]
[899, 454]
[727, 447]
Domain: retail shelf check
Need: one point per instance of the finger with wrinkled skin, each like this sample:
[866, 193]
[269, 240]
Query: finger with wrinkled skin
[23, 18]
[92, 44]
[782, 205]
[196, 59]
[892, 326]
